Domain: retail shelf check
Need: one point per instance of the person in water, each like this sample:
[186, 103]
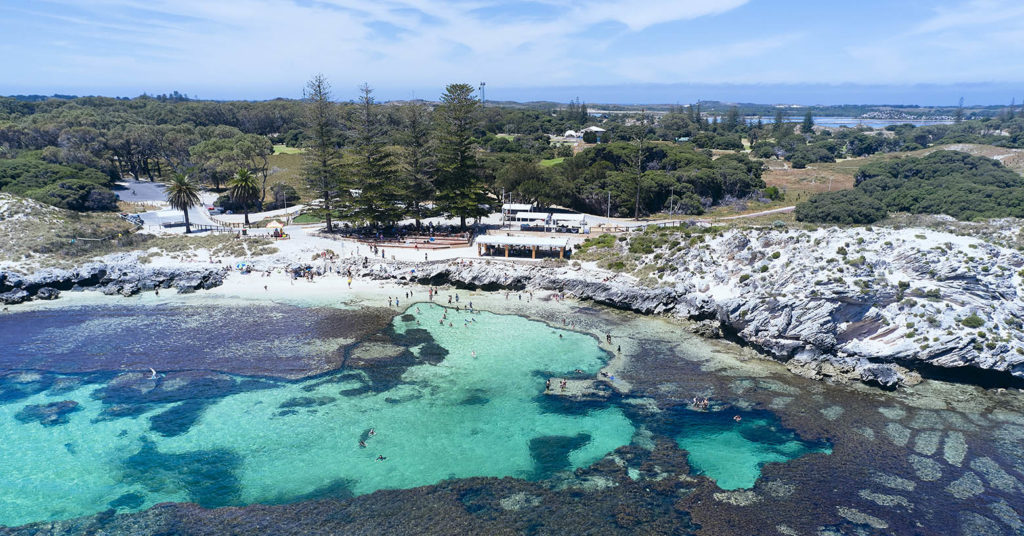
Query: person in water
[372, 432]
[362, 444]
[380, 458]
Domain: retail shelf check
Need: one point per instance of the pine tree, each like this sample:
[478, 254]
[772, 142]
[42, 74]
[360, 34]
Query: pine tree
[732, 119]
[373, 171]
[780, 120]
[320, 168]
[807, 127]
[460, 188]
[417, 168]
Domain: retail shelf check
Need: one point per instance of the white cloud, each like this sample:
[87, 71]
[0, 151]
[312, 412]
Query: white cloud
[236, 41]
[972, 13]
[256, 47]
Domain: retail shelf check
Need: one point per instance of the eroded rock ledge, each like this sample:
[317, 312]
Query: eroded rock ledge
[125, 279]
[881, 306]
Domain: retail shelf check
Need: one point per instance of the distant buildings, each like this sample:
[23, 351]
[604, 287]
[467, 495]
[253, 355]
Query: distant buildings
[598, 131]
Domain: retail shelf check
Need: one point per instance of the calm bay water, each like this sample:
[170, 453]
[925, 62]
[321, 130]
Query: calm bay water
[452, 399]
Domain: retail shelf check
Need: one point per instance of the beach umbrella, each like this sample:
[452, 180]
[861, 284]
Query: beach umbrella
[275, 225]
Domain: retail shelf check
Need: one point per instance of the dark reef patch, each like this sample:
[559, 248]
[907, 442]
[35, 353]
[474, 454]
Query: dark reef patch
[206, 476]
[475, 399]
[551, 453]
[129, 501]
[51, 414]
[307, 402]
[128, 337]
[177, 419]
[338, 489]
[433, 353]
[16, 385]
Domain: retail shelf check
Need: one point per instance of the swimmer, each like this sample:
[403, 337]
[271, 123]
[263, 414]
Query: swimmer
[380, 458]
[153, 375]
[737, 418]
[362, 444]
[474, 353]
[372, 432]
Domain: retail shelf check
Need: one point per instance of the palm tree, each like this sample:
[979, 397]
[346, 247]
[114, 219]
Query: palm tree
[244, 189]
[183, 194]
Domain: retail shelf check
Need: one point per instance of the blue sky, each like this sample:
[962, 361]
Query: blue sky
[801, 51]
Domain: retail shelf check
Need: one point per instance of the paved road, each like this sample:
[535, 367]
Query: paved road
[141, 191]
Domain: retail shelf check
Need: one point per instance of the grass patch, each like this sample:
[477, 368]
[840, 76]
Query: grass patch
[307, 217]
[552, 162]
[284, 149]
[287, 169]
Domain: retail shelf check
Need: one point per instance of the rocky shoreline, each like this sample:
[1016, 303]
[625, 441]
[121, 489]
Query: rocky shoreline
[907, 306]
[125, 279]
[880, 306]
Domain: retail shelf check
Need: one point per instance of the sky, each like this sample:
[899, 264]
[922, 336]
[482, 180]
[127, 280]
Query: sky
[928, 52]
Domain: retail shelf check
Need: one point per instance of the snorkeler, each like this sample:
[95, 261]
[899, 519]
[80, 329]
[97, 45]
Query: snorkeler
[372, 432]
[380, 458]
[362, 443]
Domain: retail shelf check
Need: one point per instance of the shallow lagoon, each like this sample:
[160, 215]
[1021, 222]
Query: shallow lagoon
[446, 400]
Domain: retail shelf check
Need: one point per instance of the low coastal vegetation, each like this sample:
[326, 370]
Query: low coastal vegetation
[944, 182]
[34, 234]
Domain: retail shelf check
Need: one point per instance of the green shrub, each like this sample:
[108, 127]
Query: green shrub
[973, 321]
[744, 278]
[845, 207]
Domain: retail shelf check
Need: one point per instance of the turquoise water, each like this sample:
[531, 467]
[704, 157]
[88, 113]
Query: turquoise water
[283, 441]
[453, 400]
[732, 453]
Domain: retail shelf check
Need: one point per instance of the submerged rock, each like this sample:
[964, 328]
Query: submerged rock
[966, 486]
[50, 414]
